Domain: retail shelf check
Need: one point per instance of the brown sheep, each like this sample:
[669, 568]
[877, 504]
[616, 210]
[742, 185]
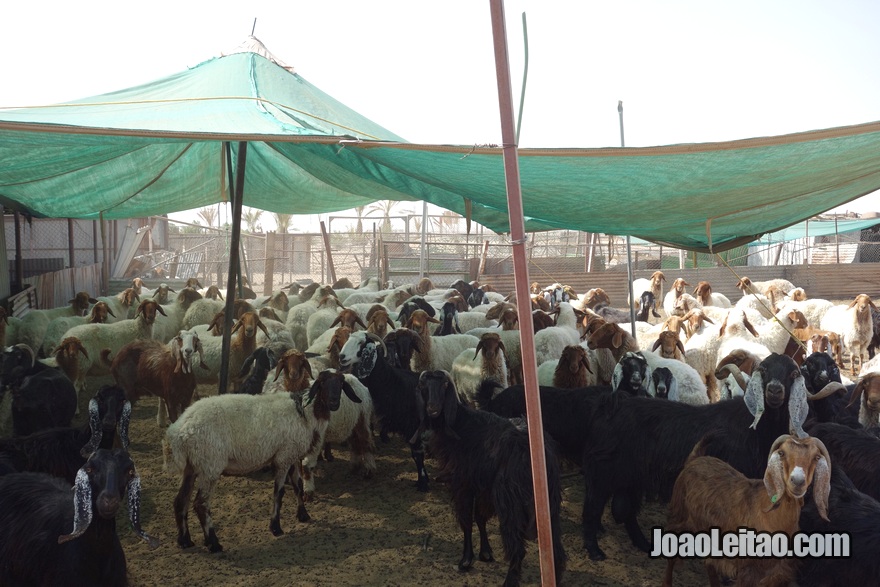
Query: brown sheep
[244, 344]
[297, 370]
[379, 322]
[614, 338]
[670, 345]
[349, 318]
[772, 504]
[424, 286]
[541, 320]
[213, 293]
[573, 369]
[340, 337]
[867, 395]
[509, 320]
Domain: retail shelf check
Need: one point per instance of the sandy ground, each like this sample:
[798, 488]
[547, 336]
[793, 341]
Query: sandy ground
[379, 531]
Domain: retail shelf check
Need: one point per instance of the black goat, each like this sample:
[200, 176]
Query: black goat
[637, 446]
[42, 397]
[400, 345]
[393, 391]
[61, 452]
[448, 320]
[411, 305]
[38, 511]
[855, 451]
[465, 289]
[850, 512]
[610, 314]
[256, 368]
[631, 375]
[477, 298]
[646, 307]
[487, 461]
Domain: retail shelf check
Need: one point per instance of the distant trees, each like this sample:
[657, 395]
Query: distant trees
[209, 215]
[282, 221]
[251, 217]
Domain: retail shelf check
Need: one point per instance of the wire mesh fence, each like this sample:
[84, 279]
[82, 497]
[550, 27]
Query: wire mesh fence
[395, 250]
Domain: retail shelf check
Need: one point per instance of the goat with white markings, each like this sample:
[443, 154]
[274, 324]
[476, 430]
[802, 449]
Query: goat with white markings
[854, 325]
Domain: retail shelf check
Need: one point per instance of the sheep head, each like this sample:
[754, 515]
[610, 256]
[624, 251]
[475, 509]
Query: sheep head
[490, 343]
[349, 318]
[128, 297]
[424, 286]
[400, 345]
[669, 343]
[379, 321]
[148, 309]
[80, 303]
[99, 314]
[509, 320]
[863, 305]
[594, 297]
[703, 292]
[248, 324]
[360, 354]
[279, 301]
[418, 322]
[792, 466]
[574, 357]
[296, 368]
[868, 391]
[657, 278]
[678, 286]
[183, 346]
[437, 403]
[194, 283]
[213, 293]
[631, 374]
[268, 313]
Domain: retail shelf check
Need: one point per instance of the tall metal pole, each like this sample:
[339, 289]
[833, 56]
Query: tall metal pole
[523, 301]
[424, 241]
[629, 260]
[237, 199]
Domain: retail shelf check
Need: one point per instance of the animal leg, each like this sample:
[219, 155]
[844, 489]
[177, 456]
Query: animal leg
[591, 519]
[418, 455]
[203, 511]
[295, 481]
[277, 496]
[486, 554]
[181, 506]
[465, 513]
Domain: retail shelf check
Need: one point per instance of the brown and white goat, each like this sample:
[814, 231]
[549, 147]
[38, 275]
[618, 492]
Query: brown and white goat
[149, 367]
[611, 336]
[379, 322]
[770, 505]
[348, 318]
[297, 370]
[867, 395]
[670, 345]
[573, 369]
[675, 291]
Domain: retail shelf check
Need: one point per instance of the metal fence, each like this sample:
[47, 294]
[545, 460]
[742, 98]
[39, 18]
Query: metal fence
[395, 251]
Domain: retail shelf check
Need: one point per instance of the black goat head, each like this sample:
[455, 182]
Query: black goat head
[775, 382]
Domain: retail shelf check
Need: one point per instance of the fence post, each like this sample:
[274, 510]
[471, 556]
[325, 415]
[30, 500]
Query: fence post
[330, 268]
[269, 275]
[485, 252]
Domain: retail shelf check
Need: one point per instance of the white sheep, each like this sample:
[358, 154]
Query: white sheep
[298, 317]
[97, 337]
[100, 313]
[689, 387]
[813, 309]
[675, 291]
[653, 285]
[236, 434]
[201, 312]
[123, 305]
[473, 366]
[854, 325]
[549, 342]
[171, 324]
[436, 352]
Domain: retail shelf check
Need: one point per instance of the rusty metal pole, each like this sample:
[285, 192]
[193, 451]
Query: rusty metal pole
[523, 301]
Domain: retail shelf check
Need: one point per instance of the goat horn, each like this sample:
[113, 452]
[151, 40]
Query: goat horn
[732, 370]
[29, 351]
[830, 388]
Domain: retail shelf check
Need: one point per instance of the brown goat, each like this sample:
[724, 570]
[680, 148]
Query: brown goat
[297, 370]
[509, 320]
[670, 345]
[244, 344]
[340, 337]
[611, 336]
[573, 369]
[495, 312]
[703, 292]
[594, 297]
[150, 367]
[867, 395]
[213, 293]
[542, 320]
[268, 313]
[424, 286]
[161, 293]
[66, 356]
[772, 504]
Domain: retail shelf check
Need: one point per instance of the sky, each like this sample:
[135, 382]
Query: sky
[685, 71]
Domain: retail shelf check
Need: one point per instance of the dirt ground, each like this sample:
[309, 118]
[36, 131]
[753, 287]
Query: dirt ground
[379, 531]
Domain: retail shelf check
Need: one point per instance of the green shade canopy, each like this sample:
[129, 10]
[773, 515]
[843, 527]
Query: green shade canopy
[158, 148]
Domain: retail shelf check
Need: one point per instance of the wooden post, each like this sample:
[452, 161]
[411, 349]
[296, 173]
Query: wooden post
[95, 240]
[386, 268]
[483, 255]
[330, 268]
[836, 240]
[105, 270]
[269, 272]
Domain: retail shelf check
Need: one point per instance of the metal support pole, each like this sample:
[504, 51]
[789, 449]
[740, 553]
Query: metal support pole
[105, 269]
[237, 199]
[19, 260]
[523, 300]
[423, 266]
[629, 261]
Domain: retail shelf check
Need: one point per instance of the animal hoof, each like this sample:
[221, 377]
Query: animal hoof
[597, 556]
[465, 565]
[214, 547]
[486, 556]
[303, 516]
[185, 543]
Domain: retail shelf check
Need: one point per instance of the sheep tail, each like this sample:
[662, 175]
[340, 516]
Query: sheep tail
[173, 461]
[699, 449]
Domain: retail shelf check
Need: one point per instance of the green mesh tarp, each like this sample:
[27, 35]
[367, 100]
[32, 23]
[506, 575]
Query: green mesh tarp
[159, 148]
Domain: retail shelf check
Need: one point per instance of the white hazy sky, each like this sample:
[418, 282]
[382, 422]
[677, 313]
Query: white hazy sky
[686, 71]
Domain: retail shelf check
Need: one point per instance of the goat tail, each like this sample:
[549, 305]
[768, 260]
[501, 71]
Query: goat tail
[485, 392]
[699, 449]
[105, 357]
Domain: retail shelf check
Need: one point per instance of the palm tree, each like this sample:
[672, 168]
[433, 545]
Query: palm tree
[359, 210]
[385, 207]
[251, 217]
[209, 215]
[282, 221]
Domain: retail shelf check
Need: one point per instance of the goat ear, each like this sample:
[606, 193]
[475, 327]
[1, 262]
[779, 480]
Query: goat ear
[750, 327]
[616, 377]
[857, 392]
[82, 506]
[654, 312]
[245, 367]
[657, 343]
[754, 396]
[160, 310]
[175, 354]
[308, 367]
[774, 477]
[617, 339]
[680, 346]
[349, 391]
[797, 406]
[337, 320]
[263, 328]
[450, 402]
[236, 327]
[133, 491]
[822, 480]
[282, 366]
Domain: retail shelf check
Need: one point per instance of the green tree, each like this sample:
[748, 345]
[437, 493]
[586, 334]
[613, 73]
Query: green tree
[251, 217]
[209, 215]
[282, 221]
[385, 207]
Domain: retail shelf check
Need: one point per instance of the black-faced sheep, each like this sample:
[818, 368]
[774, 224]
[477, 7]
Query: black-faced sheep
[42, 397]
[487, 461]
[631, 375]
[52, 536]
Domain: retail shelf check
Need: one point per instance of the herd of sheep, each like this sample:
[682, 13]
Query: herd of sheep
[700, 397]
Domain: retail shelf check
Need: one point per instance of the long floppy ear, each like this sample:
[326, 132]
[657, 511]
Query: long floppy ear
[822, 480]
[82, 349]
[479, 348]
[308, 367]
[245, 367]
[82, 506]
[349, 392]
[281, 366]
[175, 354]
[797, 406]
[617, 339]
[359, 322]
[774, 476]
[750, 327]
[133, 493]
[236, 327]
[657, 343]
[754, 396]
[654, 312]
[263, 327]
[337, 320]
[617, 376]
[160, 310]
[857, 392]
[96, 430]
[450, 401]
[680, 346]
